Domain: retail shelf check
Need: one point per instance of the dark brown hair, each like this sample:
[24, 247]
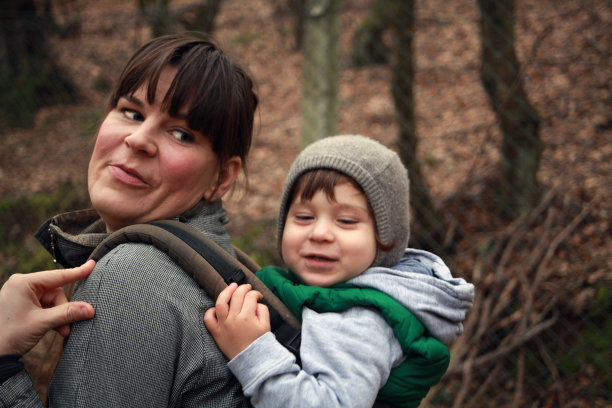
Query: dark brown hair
[217, 89]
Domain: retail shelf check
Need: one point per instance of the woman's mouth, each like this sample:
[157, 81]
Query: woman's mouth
[127, 175]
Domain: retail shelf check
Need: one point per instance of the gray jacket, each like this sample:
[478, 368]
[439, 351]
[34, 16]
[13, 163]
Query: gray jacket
[147, 345]
[346, 357]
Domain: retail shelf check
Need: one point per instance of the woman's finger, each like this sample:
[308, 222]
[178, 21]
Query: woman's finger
[45, 280]
[64, 314]
[54, 297]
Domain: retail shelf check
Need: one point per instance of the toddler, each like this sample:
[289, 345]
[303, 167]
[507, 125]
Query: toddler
[376, 317]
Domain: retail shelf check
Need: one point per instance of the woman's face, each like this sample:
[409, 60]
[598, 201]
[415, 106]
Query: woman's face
[148, 165]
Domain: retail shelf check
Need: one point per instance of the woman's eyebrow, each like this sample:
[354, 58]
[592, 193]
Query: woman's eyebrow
[134, 100]
[138, 102]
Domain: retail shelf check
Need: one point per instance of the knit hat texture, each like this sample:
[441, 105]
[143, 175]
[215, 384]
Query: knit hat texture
[377, 170]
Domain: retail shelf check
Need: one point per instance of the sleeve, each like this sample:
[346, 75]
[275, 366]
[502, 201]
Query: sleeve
[18, 392]
[346, 358]
[147, 345]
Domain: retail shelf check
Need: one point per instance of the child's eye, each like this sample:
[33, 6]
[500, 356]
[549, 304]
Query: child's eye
[303, 217]
[348, 221]
[133, 115]
[182, 136]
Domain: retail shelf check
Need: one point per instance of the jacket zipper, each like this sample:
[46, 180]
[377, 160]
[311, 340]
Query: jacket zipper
[52, 235]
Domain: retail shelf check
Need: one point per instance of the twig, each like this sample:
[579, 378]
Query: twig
[482, 388]
[467, 378]
[541, 274]
[554, 373]
[504, 298]
[460, 347]
[520, 378]
[533, 288]
[483, 325]
[508, 320]
[504, 350]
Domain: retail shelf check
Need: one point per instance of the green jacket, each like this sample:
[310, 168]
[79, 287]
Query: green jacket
[426, 358]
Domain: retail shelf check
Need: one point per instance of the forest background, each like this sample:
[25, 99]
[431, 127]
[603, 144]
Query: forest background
[540, 256]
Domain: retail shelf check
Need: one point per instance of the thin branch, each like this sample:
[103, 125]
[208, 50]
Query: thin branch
[541, 274]
[552, 368]
[505, 350]
[520, 378]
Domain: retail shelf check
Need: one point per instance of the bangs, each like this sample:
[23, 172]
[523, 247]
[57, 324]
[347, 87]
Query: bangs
[202, 87]
[320, 180]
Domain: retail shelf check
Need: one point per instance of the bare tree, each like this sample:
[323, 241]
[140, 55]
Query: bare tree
[296, 11]
[165, 19]
[321, 70]
[157, 15]
[428, 225]
[200, 16]
[29, 78]
[368, 45]
[517, 191]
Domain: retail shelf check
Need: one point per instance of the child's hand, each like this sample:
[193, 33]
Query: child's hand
[237, 319]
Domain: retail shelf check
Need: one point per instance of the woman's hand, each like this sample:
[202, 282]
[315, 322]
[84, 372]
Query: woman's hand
[34, 303]
[237, 319]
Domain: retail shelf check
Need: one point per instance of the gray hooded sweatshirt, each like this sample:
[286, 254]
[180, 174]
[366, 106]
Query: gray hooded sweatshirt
[346, 357]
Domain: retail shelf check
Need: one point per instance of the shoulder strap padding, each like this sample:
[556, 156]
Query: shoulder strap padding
[212, 267]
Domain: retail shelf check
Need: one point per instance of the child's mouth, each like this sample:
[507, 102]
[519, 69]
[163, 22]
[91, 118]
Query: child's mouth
[319, 258]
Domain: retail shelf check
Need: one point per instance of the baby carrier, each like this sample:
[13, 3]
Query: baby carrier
[212, 267]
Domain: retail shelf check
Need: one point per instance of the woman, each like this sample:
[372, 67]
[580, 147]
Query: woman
[175, 138]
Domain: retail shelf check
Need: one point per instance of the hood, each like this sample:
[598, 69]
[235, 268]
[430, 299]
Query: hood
[425, 286]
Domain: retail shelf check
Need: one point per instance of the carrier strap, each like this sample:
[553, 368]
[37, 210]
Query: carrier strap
[211, 266]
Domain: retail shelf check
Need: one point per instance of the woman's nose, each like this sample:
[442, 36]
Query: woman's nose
[142, 140]
[321, 230]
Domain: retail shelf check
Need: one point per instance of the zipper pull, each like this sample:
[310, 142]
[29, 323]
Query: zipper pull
[52, 235]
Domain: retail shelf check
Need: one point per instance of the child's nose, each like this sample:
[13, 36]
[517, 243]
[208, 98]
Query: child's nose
[142, 139]
[321, 230]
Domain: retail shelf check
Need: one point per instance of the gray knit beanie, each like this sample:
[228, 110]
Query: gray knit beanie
[380, 173]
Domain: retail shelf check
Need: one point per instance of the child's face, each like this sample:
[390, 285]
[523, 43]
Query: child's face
[326, 242]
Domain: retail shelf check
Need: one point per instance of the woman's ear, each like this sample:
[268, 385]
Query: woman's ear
[227, 178]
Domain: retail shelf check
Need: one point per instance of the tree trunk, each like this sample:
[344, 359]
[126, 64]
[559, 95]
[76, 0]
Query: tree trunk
[201, 17]
[501, 76]
[157, 16]
[428, 226]
[296, 11]
[321, 70]
[29, 78]
[368, 45]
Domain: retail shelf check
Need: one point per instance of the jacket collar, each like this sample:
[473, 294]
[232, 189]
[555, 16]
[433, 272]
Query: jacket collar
[72, 236]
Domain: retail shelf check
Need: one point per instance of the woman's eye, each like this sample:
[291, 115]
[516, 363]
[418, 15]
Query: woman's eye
[133, 115]
[182, 136]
